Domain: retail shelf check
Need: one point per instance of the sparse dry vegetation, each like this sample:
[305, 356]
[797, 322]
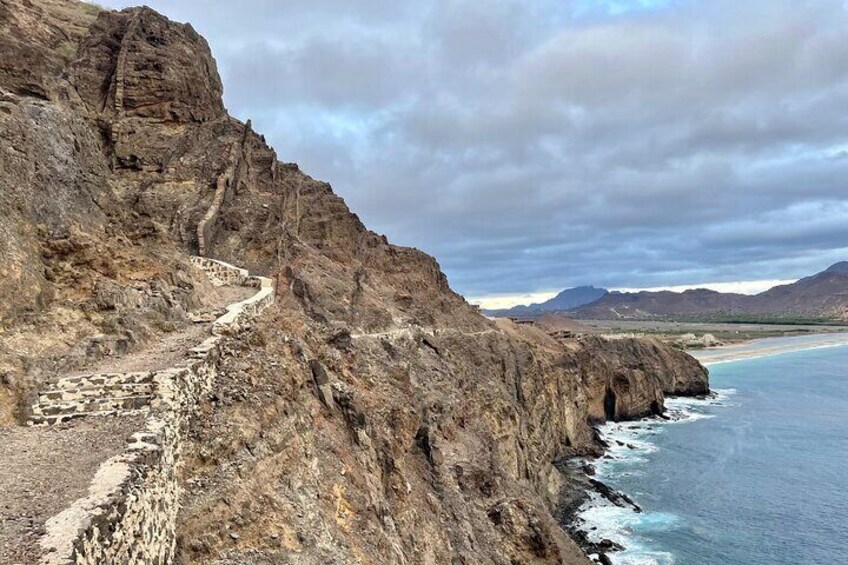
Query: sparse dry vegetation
[91, 8]
[67, 49]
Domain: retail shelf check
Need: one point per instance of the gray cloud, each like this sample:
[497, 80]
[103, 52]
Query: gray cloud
[533, 146]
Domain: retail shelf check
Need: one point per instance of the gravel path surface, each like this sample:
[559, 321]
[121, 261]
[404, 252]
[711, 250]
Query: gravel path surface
[171, 349]
[44, 469]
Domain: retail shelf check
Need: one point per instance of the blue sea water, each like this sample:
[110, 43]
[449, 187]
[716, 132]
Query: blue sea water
[756, 476]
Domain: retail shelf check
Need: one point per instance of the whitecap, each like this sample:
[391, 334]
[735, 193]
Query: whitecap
[630, 445]
[603, 520]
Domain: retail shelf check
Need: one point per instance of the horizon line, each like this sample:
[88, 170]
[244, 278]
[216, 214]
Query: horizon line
[498, 301]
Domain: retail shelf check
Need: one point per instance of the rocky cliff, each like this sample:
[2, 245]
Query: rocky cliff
[374, 416]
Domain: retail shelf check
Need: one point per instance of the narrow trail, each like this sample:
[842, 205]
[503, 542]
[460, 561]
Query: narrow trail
[171, 348]
[416, 330]
[44, 468]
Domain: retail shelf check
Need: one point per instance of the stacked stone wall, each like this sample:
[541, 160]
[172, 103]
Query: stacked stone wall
[129, 515]
[221, 273]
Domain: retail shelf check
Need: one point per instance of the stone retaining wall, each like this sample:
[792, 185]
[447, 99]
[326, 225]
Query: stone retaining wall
[239, 312]
[221, 273]
[130, 513]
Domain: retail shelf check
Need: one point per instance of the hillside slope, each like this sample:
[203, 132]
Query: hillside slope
[374, 416]
[567, 300]
[823, 296]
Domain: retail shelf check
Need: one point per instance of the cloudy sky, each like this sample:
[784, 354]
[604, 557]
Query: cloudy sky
[533, 146]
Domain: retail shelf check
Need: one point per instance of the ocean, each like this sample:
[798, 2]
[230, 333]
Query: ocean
[757, 475]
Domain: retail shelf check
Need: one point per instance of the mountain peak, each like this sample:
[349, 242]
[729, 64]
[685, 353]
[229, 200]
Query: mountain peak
[581, 288]
[840, 267]
[568, 299]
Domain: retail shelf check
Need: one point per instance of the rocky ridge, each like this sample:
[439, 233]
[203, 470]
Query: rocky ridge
[373, 415]
[822, 297]
[565, 301]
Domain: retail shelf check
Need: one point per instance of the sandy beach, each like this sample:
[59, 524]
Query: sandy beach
[767, 346]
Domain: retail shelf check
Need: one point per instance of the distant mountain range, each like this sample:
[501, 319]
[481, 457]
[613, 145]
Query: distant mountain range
[565, 301]
[823, 296]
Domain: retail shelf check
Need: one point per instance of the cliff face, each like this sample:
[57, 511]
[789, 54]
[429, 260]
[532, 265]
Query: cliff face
[426, 448]
[374, 416]
[82, 272]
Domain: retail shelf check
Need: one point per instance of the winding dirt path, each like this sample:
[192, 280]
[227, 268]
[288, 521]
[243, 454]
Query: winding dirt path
[415, 330]
[44, 469]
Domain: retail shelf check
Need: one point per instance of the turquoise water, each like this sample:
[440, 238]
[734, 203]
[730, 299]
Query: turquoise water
[756, 476]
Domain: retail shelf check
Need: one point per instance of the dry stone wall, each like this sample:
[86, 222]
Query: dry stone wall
[99, 394]
[129, 515]
[241, 312]
[220, 273]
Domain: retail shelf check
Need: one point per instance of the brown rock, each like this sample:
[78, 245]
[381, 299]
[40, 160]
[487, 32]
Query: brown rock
[137, 166]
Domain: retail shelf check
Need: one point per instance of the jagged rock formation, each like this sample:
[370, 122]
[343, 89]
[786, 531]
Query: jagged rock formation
[372, 415]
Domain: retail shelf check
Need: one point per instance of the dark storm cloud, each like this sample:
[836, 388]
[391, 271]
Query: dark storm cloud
[533, 146]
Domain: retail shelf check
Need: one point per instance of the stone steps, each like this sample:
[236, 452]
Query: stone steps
[58, 419]
[95, 394]
[101, 404]
[103, 379]
[79, 393]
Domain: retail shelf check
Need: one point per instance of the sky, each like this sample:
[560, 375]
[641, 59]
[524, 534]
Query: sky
[536, 146]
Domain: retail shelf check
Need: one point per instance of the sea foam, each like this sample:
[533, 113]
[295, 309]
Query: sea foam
[629, 447]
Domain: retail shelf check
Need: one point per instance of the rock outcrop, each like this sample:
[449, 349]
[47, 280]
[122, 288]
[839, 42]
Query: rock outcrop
[677, 373]
[372, 415]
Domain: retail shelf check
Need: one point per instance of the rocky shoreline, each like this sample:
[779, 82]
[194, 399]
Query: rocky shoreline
[582, 485]
[581, 473]
[372, 415]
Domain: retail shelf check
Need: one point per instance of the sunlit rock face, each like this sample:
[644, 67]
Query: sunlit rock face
[371, 415]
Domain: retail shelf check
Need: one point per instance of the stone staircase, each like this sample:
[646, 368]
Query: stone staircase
[116, 393]
[97, 394]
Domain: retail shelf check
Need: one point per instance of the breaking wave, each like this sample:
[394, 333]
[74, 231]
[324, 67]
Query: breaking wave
[630, 444]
